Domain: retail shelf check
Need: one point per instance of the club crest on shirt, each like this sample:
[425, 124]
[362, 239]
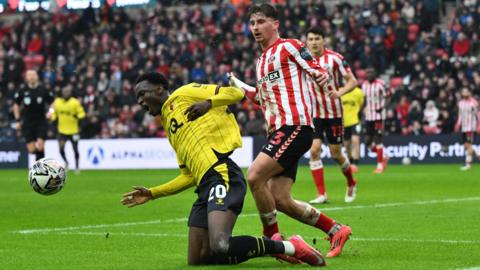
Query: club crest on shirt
[271, 59]
[305, 54]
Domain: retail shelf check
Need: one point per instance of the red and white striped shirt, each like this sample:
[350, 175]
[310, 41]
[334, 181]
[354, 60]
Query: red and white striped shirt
[375, 99]
[468, 114]
[337, 67]
[282, 83]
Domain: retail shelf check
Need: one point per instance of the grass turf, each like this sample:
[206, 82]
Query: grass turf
[410, 217]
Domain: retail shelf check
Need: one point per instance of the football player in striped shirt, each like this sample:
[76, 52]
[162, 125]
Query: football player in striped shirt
[328, 114]
[376, 94]
[204, 133]
[283, 71]
[467, 123]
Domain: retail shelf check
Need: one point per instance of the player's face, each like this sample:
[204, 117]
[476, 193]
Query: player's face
[315, 43]
[465, 93]
[263, 28]
[151, 97]
[32, 77]
[370, 75]
[66, 93]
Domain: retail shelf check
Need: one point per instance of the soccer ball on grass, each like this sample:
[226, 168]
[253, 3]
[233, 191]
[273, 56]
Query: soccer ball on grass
[47, 176]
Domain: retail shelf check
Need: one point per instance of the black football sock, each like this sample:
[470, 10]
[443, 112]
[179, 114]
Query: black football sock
[77, 155]
[242, 248]
[62, 153]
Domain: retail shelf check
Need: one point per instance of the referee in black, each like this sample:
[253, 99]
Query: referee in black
[30, 109]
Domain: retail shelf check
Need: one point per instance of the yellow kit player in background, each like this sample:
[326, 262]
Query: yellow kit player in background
[68, 111]
[352, 105]
[203, 133]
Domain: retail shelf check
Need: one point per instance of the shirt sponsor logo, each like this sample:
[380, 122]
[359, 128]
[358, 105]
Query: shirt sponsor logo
[271, 77]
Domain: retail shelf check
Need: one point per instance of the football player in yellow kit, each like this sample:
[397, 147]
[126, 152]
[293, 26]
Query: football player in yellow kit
[69, 111]
[203, 133]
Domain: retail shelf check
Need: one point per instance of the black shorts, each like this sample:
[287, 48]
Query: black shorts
[215, 193]
[332, 128]
[350, 131]
[74, 138]
[287, 145]
[34, 131]
[374, 128]
[468, 137]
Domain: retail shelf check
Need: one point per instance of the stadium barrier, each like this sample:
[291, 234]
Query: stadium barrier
[419, 149]
[13, 155]
[156, 153]
[152, 153]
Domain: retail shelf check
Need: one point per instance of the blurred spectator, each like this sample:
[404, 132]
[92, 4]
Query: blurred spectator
[430, 118]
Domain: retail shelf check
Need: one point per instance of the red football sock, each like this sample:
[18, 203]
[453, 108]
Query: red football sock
[270, 230]
[316, 167]
[325, 223]
[379, 155]
[348, 174]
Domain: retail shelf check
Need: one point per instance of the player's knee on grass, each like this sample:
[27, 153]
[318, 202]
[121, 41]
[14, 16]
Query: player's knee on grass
[220, 243]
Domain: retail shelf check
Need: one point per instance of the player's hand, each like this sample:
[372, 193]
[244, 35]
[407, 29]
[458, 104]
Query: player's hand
[333, 94]
[198, 109]
[138, 196]
[321, 78]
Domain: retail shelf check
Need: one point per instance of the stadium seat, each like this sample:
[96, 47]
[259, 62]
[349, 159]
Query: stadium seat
[396, 82]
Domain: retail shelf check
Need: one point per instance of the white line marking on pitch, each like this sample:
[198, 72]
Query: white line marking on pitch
[360, 239]
[339, 208]
[471, 268]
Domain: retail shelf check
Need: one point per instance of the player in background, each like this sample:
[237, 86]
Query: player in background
[203, 133]
[376, 94]
[328, 114]
[467, 123]
[29, 110]
[352, 105]
[68, 111]
[282, 72]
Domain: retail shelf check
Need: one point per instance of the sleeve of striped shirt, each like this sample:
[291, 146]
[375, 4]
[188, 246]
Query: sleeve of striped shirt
[343, 65]
[184, 181]
[302, 56]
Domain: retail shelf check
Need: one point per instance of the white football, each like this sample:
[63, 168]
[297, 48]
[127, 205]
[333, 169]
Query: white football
[406, 161]
[47, 176]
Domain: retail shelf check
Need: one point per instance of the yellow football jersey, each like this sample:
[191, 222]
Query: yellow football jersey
[198, 143]
[352, 104]
[68, 112]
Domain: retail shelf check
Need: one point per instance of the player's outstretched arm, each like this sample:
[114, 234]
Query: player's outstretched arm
[139, 195]
[249, 91]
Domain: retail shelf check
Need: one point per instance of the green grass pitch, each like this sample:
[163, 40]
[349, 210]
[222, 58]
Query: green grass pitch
[410, 217]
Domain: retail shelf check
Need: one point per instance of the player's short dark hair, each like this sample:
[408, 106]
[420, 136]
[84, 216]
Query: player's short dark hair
[266, 9]
[316, 31]
[153, 78]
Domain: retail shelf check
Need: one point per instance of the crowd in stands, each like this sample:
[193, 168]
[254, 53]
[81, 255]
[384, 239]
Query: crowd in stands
[427, 53]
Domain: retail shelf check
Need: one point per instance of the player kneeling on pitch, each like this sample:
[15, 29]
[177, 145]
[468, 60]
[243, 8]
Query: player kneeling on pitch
[203, 133]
